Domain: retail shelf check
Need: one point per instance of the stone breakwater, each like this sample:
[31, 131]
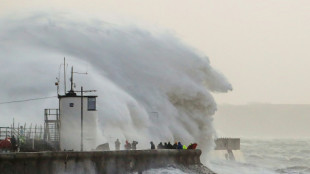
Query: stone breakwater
[99, 162]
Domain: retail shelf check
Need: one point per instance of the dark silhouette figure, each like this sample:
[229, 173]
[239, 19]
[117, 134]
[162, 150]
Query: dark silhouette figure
[169, 146]
[152, 145]
[117, 145]
[134, 145]
[190, 146]
[13, 143]
[166, 146]
[127, 145]
[175, 145]
[180, 146]
[160, 146]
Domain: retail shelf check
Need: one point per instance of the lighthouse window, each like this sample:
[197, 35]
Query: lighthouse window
[71, 104]
[91, 103]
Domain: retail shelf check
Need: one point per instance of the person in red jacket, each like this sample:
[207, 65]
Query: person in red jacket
[195, 145]
[192, 146]
[127, 145]
[6, 144]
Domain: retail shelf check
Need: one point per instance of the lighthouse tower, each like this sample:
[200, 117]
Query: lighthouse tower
[78, 120]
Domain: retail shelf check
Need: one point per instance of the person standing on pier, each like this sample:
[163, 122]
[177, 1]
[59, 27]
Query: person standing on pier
[117, 145]
[13, 143]
[180, 146]
[127, 145]
[175, 145]
[152, 145]
[169, 146]
[134, 145]
[160, 146]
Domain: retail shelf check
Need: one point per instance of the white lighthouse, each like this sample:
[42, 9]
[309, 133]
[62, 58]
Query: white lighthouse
[78, 120]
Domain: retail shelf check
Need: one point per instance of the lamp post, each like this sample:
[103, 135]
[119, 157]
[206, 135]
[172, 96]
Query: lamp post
[81, 118]
[82, 109]
[82, 92]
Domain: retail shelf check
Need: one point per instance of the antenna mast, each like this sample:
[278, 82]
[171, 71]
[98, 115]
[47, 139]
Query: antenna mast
[65, 88]
[71, 79]
[57, 84]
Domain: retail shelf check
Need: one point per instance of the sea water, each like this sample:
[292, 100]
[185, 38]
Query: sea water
[270, 156]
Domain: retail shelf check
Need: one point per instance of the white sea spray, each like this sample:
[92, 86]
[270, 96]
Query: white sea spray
[151, 86]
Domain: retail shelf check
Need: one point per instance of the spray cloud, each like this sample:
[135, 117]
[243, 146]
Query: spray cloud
[150, 85]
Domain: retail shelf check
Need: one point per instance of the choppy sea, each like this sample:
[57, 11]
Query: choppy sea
[272, 156]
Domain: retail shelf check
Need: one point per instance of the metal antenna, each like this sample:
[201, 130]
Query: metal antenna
[57, 84]
[77, 73]
[65, 88]
[71, 79]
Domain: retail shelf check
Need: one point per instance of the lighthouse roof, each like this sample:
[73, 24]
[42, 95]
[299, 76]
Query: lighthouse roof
[78, 96]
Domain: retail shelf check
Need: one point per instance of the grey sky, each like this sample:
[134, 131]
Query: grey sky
[262, 47]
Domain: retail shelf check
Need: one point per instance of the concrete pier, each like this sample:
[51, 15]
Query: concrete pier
[95, 162]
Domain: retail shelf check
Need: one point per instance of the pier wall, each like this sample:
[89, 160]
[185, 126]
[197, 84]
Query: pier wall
[94, 162]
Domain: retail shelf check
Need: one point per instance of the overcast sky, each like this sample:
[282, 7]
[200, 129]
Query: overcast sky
[262, 47]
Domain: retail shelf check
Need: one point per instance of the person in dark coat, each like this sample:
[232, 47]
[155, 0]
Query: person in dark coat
[134, 145]
[180, 146]
[166, 146]
[160, 146]
[152, 145]
[169, 146]
[190, 146]
[13, 143]
[117, 145]
[175, 145]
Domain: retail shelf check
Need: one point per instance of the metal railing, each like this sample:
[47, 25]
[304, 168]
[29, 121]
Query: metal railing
[36, 137]
[31, 132]
[52, 127]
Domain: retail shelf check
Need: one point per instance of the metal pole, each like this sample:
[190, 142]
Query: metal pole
[13, 127]
[11, 130]
[18, 135]
[71, 79]
[65, 85]
[35, 132]
[81, 118]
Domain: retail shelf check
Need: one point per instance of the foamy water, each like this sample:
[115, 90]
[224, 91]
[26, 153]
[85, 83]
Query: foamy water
[260, 157]
[268, 157]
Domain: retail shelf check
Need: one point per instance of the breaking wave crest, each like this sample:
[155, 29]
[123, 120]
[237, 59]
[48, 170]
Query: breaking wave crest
[151, 86]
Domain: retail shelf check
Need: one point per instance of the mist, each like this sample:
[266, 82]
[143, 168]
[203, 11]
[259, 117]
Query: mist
[263, 121]
[151, 86]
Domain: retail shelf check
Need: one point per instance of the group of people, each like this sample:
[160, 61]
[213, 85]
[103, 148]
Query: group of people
[9, 144]
[127, 146]
[176, 145]
[132, 146]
